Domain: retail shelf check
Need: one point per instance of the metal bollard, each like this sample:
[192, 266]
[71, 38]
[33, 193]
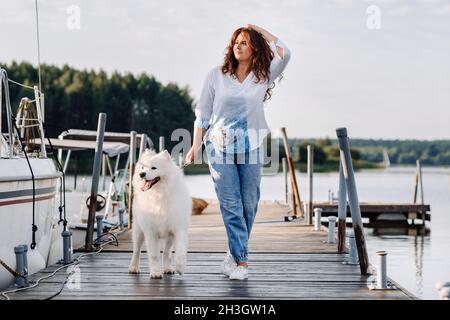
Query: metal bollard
[381, 270]
[20, 268]
[25, 260]
[352, 254]
[317, 217]
[331, 229]
[67, 247]
[121, 212]
[99, 227]
[444, 290]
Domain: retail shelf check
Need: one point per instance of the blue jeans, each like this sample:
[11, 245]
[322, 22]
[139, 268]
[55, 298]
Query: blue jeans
[237, 179]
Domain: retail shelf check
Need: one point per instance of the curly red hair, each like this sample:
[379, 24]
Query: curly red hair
[259, 62]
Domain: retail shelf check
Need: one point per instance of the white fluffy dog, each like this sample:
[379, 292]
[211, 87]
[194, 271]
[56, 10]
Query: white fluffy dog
[162, 208]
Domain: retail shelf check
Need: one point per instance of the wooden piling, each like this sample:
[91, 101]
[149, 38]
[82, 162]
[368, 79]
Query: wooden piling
[347, 167]
[285, 179]
[342, 211]
[310, 172]
[161, 144]
[292, 175]
[95, 178]
[130, 186]
[418, 184]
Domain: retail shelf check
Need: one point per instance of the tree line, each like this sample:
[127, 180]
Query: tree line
[402, 152]
[73, 99]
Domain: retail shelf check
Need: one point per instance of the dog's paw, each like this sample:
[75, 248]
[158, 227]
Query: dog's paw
[156, 275]
[180, 265]
[133, 269]
[180, 269]
[169, 270]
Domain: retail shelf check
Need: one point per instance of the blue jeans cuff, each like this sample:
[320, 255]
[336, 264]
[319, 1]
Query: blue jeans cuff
[241, 258]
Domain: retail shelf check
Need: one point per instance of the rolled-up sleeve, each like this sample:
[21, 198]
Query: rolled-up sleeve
[278, 63]
[204, 107]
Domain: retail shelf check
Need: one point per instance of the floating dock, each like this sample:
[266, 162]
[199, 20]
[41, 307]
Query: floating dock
[288, 261]
[377, 211]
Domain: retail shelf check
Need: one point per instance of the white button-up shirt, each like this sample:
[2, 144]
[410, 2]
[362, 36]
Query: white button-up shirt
[233, 110]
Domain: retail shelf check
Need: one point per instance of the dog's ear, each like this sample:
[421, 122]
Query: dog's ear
[166, 155]
[150, 152]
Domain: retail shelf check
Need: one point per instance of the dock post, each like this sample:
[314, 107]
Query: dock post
[121, 212]
[294, 186]
[381, 270]
[418, 183]
[99, 219]
[130, 186]
[103, 172]
[67, 247]
[310, 172]
[352, 254]
[95, 178]
[20, 280]
[161, 144]
[75, 175]
[331, 229]
[342, 211]
[317, 218]
[286, 194]
[355, 210]
[142, 144]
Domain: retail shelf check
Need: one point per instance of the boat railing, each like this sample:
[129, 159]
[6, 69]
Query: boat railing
[28, 117]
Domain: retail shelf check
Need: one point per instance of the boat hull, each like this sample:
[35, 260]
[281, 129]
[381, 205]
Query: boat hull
[16, 214]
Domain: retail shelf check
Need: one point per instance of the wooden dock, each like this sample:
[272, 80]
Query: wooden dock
[288, 261]
[381, 211]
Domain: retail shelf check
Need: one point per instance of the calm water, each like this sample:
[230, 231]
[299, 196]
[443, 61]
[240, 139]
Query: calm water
[414, 261]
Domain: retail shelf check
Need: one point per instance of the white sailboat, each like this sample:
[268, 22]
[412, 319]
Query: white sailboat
[28, 186]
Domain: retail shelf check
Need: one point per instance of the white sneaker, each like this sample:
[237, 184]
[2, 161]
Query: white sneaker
[228, 265]
[240, 273]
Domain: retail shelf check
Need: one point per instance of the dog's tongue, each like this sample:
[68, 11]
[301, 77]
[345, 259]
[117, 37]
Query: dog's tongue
[145, 185]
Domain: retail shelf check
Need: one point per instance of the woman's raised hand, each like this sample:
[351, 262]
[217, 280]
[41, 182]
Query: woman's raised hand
[266, 34]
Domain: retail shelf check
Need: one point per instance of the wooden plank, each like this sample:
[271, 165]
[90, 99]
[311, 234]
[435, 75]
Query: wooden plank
[272, 276]
[369, 208]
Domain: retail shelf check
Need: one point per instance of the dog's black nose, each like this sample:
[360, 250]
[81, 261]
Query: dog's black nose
[142, 174]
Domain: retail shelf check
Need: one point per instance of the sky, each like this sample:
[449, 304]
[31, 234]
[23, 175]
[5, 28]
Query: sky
[381, 68]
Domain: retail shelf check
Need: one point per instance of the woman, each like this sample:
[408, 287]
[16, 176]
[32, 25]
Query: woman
[231, 105]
